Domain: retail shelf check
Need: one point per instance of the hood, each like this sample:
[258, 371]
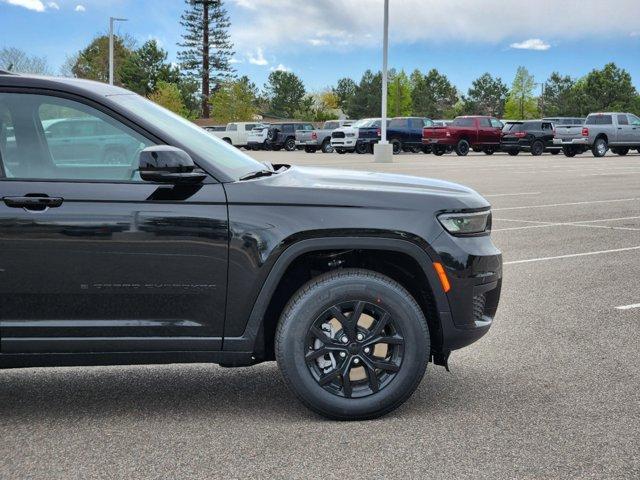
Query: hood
[325, 186]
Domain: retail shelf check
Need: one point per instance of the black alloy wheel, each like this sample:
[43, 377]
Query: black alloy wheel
[397, 147]
[462, 148]
[513, 153]
[290, 144]
[362, 147]
[354, 349]
[537, 148]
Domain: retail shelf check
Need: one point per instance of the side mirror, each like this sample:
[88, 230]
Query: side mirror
[167, 164]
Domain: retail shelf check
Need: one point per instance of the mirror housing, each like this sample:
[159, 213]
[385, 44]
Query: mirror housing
[167, 164]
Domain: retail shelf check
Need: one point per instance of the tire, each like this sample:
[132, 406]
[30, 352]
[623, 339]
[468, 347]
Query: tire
[326, 146]
[341, 151]
[489, 151]
[600, 147]
[513, 153]
[569, 152]
[622, 151]
[462, 148]
[555, 152]
[310, 149]
[228, 140]
[290, 144]
[427, 149]
[537, 148]
[383, 386]
[438, 151]
[415, 149]
[397, 146]
[362, 148]
[276, 148]
[639, 150]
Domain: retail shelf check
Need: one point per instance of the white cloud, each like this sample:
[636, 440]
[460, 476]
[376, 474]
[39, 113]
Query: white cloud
[359, 22]
[53, 6]
[257, 58]
[35, 5]
[280, 68]
[235, 60]
[80, 8]
[531, 44]
[635, 34]
[318, 42]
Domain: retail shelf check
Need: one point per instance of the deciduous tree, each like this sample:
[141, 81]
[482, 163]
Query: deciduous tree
[521, 103]
[285, 92]
[235, 101]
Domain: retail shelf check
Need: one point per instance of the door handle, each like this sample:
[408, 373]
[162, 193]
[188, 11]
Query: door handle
[33, 202]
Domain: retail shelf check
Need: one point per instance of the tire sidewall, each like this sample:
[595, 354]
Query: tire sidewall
[462, 148]
[306, 309]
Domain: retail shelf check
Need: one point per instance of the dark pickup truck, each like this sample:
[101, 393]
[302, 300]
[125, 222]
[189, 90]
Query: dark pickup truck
[188, 250]
[480, 133]
[405, 134]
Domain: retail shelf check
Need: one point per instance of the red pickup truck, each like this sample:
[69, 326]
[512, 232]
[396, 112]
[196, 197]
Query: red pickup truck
[482, 134]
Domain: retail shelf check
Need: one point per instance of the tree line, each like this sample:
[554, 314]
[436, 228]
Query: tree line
[204, 83]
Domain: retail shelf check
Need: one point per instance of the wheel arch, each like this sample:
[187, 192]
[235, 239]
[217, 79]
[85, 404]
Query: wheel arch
[290, 272]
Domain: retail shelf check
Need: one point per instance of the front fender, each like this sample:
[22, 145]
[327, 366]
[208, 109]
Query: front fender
[289, 253]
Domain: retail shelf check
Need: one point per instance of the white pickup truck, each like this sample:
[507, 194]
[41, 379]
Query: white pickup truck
[236, 133]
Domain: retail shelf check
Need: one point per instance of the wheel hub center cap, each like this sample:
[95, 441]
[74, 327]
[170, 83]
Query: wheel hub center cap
[354, 348]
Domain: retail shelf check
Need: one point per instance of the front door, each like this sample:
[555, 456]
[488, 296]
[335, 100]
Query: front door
[92, 258]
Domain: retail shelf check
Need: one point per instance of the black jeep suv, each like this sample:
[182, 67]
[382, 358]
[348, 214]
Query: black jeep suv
[188, 250]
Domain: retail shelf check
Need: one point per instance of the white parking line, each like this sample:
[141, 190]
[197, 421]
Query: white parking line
[572, 255]
[628, 307]
[548, 205]
[511, 194]
[581, 223]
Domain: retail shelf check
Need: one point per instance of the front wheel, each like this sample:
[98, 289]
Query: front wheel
[462, 148]
[569, 152]
[622, 151]
[352, 344]
[397, 147]
[489, 151]
[326, 146]
[513, 153]
[310, 149]
[341, 151]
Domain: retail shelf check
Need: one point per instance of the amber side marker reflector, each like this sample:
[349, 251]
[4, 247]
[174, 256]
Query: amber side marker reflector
[442, 275]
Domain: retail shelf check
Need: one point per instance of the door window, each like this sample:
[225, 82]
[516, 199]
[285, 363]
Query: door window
[249, 126]
[287, 128]
[635, 121]
[485, 122]
[622, 120]
[495, 123]
[61, 139]
[232, 127]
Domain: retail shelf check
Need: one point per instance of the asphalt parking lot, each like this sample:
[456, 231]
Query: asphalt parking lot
[553, 391]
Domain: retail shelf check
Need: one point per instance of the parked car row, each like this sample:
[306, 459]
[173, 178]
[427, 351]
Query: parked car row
[599, 132]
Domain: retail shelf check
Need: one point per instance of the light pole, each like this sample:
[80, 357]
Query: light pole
[382, 150]
[112, 20]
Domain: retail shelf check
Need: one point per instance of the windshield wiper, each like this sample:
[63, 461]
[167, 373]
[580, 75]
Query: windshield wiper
[258, 174]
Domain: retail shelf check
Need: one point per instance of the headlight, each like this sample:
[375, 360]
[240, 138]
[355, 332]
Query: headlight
[351, 134]
[466, 223]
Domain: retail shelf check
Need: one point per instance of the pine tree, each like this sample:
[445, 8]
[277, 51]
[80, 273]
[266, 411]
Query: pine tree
[207, 48]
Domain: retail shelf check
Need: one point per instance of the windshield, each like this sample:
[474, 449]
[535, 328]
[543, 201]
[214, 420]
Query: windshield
[365, 122]
[209, 148]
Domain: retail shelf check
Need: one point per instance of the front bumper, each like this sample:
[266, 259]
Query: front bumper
[474, 268]
[348, 143]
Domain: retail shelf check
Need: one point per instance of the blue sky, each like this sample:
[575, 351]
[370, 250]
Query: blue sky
[323, 40]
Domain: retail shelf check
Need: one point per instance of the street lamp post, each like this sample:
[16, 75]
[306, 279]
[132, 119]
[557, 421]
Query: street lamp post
[112, 20]
[383, 152]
